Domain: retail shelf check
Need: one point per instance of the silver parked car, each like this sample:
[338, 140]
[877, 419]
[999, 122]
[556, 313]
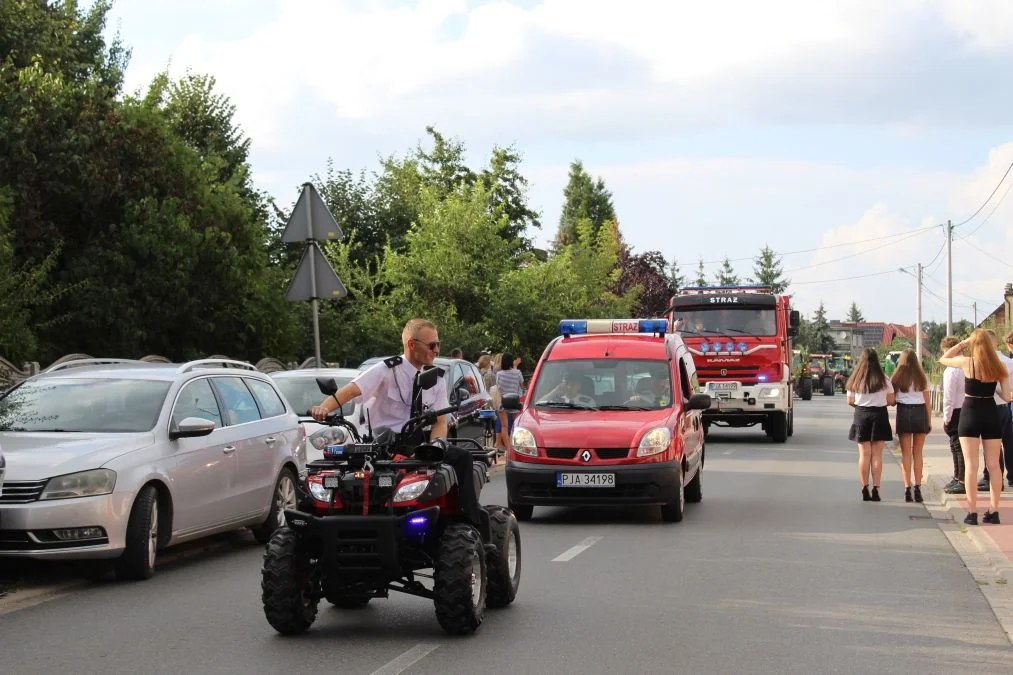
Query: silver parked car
[301, 390]
[110, 458]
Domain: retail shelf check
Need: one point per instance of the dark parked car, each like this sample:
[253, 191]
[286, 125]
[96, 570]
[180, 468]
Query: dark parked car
[461, 375]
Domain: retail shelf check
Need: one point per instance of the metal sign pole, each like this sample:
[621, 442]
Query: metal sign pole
[310, 242]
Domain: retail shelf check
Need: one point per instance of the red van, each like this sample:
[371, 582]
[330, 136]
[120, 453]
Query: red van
[610, 417]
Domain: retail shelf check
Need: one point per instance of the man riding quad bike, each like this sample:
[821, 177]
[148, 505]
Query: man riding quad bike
[378, 515]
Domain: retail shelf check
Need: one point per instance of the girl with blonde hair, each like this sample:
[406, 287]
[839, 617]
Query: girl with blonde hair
[914, 418]
[979, 423]
[870, 392]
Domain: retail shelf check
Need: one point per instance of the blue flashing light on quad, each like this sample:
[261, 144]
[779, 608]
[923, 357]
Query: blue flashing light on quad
[376, 516]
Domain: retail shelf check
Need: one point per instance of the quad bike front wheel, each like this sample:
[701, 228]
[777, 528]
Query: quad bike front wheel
[459, 588]
[503, 565]
[286, 585]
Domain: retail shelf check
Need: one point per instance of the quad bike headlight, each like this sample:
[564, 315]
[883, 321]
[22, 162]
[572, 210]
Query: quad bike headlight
[319, 492]
[410, 491]
[328, 436]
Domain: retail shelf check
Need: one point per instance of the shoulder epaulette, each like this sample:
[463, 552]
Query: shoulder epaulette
[393, 361]
[441, 372]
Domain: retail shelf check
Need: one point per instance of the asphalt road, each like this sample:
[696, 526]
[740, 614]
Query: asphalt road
[782, 568]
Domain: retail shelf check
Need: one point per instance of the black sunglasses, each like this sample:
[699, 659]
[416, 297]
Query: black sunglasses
[433, 346]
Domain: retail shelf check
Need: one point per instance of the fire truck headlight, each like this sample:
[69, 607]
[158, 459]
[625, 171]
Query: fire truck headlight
[769, 392]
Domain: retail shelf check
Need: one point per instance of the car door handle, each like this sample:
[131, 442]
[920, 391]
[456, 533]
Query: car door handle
[270, 440]
[229, 449]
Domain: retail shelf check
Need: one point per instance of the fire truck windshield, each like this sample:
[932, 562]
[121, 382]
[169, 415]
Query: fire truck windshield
[722, 321]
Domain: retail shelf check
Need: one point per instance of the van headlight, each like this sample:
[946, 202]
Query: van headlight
[81, 484]
[654, 441]
[523, 441]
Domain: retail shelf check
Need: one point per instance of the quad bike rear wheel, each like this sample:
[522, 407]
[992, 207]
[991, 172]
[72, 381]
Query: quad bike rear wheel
[459, 588]
[503, 565]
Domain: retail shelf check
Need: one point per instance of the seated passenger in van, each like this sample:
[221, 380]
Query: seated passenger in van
[651, 392]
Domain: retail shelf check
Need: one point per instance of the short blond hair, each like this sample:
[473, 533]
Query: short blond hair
[412, 328]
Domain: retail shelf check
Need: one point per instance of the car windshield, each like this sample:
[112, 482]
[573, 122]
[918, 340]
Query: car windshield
[79, 404]
[604, 384]
[726, 321]
[303, 393]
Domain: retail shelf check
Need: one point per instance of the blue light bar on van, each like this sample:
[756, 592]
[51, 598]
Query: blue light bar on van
[599, 326]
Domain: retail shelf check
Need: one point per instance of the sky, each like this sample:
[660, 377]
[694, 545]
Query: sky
[841, 133]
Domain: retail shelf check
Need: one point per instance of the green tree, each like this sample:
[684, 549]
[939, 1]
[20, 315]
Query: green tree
[767, 271]
[726, 275]
[855, 314]
[820, 339]
[701, 277]
[508, 194]
[676, 280]
[583, 199]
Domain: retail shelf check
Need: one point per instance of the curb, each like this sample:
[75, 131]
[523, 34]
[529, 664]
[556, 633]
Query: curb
[29, 596]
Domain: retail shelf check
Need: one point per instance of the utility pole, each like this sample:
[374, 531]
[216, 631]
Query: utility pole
[974, 308]
[918, 316]
[949, 278]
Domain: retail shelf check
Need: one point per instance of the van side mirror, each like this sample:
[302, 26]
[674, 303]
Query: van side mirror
[698, 402]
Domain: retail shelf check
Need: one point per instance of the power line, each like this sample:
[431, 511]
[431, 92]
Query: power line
[853, 255]
[828, 281]
[998, 185]
[828, 246]
[994, 208]
[1001, 262]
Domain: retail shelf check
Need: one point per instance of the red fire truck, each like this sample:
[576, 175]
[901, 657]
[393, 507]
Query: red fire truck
[740, 339]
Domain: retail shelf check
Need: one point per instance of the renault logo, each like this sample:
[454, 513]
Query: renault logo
[586, 455]
[724, 371]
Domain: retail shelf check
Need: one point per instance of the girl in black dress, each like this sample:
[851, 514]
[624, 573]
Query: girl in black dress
[870, 392]
[984, 376]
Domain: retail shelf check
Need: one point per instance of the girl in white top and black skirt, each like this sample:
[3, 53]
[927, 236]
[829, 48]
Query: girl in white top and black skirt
[870, 392]
[914, 421]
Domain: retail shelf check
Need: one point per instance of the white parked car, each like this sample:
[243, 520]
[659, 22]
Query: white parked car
[110, 458]
[301, 390]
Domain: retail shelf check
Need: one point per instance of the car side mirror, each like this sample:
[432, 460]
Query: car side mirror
[327, 386]
[512, 402]
[698, 402]
[462, 394]
[191, 427]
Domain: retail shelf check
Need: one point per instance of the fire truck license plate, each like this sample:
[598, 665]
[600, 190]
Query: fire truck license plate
[589, 480]
[725, 386]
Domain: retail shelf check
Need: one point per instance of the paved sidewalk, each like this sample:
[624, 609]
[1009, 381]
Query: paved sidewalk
[986, 550]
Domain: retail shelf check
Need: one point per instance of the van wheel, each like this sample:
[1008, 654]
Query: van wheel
[138, 559]
[672, 513]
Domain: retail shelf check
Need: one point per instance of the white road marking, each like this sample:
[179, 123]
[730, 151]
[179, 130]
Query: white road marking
[728, 452]
[406, 660]
[574, 551]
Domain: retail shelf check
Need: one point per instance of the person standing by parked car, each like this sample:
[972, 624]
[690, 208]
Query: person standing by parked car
[914, 418]
[509, 381]
[984, 375]
[870, 392]
[953, 398]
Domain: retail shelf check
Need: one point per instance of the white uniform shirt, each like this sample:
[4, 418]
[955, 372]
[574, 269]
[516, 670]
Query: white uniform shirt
[1008, 362]
[388, 392]
[953, 391]
[874, 399]
[911, 397]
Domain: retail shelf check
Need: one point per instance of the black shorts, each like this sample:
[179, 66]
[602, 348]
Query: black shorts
[912, 418]
[871, 423]
[979, 418]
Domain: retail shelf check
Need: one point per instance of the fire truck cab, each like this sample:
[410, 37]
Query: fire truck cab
[740, 338]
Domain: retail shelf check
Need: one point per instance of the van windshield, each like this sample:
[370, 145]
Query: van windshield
[604, 384]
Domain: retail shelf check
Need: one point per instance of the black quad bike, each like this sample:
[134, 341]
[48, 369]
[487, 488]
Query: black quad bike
[375, 517]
